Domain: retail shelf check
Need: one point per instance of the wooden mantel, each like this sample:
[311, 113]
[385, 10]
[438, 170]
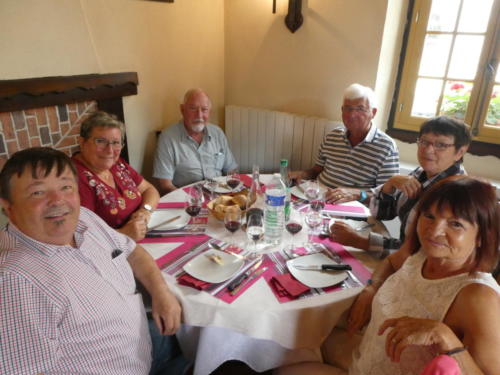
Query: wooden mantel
[19, 94]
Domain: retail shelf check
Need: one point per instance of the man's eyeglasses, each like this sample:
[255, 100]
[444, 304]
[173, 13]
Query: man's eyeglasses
[102, 143]
[438, 146]
[360, 109]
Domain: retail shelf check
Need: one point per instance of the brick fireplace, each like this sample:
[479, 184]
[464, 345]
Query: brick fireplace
[48, 111]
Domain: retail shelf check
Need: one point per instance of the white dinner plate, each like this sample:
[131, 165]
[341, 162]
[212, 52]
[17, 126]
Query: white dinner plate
[299, 194]
[205, 269]
[314, 278]
[222, 188]
[160, 216]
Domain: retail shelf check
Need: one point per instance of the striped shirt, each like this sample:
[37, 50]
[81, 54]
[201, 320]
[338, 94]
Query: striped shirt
[68, 310]
[367, 165]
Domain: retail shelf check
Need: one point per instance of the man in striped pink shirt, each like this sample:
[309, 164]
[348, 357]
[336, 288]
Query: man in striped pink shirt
[68, 301]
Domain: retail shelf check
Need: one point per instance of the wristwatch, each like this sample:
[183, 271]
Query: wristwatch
[362, 195]
[148, 208]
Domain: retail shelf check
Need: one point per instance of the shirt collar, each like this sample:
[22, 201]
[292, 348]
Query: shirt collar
[369, 136]
[42, 247]
[207, 132]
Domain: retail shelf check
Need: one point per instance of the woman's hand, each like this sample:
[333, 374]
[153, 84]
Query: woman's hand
[135, 228]
[141, 214]
[408, 331]
[344, 234]
[341, 195]
[361, 310]
[408, 185]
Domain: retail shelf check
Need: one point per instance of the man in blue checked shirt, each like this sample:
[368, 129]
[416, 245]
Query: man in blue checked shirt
[192, 149]
[68, 301]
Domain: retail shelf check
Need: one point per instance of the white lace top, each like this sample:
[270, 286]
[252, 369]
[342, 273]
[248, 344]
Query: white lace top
[407, 293]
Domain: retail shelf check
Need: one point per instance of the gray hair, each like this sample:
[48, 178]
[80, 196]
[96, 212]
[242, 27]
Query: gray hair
[357, 91]
[191, 92]
[101, 119]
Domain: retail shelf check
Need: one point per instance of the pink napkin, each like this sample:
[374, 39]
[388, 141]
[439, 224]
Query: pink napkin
[442, 365]
[287, 286]
[192, 282]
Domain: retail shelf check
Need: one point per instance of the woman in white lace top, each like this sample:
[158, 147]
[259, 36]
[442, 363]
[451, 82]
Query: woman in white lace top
[435, 295]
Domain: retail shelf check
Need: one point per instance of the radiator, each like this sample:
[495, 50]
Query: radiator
[264, 137]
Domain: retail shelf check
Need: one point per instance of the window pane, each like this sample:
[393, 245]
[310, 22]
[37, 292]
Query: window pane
[443, 15]
[465, 56]
[456, 99]
[474, 16]
[426, 97]
[435, 55]
[493, 114]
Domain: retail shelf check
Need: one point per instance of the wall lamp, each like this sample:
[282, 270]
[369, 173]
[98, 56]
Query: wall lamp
[293, 19]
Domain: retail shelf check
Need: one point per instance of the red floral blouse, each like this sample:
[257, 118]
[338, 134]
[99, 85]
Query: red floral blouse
[113, 205]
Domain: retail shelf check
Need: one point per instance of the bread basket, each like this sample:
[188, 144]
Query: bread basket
[220, 205]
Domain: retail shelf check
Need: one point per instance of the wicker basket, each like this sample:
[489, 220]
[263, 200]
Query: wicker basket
[220, 205]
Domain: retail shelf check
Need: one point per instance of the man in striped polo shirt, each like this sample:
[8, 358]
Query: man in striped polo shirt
[354, 159]
[68, 301]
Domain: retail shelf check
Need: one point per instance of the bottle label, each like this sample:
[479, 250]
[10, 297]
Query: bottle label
[273, 200]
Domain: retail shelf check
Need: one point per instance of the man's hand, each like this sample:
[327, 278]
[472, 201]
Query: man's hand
[341, 195]
[409, 185]
[166, 313]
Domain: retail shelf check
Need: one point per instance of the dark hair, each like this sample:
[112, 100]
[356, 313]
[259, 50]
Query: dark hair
[41, 160]
[100, 119]
[472, 200]
[444, 125]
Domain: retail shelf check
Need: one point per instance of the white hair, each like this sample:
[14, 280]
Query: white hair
[357, 91]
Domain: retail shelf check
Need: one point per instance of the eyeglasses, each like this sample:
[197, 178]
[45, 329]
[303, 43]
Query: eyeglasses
[360, 109]
[438, 146]
[102, 144]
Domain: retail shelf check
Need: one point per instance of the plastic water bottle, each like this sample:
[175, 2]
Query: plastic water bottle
[274, 213]
[286, 182]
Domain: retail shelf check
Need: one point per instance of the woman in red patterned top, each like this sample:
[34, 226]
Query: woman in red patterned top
[108, 185]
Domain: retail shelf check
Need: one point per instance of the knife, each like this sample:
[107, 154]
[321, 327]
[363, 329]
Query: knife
[236, 282]
[324, 267]
[164, 222]
[254, 276]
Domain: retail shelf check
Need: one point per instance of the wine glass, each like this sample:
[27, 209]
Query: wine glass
[233, 179]
[318, 204]
[232, 220]
[194, 200]
[313, 220]
[311, 190]
[293, 226]
[255, 231]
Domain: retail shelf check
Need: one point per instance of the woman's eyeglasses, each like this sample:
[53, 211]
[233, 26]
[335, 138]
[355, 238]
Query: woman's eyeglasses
[438, 146]
[102, 144]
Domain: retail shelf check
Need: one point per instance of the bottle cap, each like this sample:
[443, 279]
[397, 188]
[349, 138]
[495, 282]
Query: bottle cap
[284, 162]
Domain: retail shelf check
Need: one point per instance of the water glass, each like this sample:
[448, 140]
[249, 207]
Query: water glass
[313, 220]
[255, 231]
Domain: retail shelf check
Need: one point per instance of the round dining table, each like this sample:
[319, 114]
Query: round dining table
[255, 328]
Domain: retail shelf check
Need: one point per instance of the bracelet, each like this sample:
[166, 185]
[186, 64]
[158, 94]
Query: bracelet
[455, 351]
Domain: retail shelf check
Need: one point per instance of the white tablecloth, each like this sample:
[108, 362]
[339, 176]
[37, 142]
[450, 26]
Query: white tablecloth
[255, 328]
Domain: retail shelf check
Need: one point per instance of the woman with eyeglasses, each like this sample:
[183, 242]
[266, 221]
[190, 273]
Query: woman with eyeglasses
[107, 184]
[442, 142]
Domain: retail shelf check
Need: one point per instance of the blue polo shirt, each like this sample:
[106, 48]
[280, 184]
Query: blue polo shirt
[181, 159]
